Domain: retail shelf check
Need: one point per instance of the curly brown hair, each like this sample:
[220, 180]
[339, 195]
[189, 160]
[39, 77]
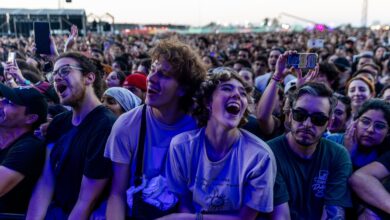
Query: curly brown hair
[204, 94]
[187, 67]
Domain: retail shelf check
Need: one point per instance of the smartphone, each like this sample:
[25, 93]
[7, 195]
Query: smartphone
[315, 43]
[302, 60]
[42, 37]
[11, 57]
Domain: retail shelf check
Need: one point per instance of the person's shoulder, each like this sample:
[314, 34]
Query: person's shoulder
[336, 137]
[187, 137]
[62, 118]
[332, 148]
[29, 143]
[30, 139]
[276, 141]
[251, 138]
[130, 117]
[332, 145]
[254, 145]
[103, 115]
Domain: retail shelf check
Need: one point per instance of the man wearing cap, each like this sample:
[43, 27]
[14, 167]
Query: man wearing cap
[136, 83]
[76, 174]
[22, 155]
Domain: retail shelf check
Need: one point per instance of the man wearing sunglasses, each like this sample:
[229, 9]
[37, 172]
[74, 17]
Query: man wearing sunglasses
[312, 172]
[22, 155]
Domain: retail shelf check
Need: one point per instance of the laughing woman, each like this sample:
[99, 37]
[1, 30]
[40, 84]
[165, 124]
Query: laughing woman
[221, 171]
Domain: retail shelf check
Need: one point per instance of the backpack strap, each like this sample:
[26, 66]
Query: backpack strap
[140, 149]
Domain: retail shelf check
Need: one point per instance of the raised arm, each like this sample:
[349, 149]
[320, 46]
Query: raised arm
[268, 99]
[71, 39]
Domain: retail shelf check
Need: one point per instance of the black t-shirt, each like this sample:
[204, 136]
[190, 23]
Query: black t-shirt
[309, 184]
[84, 155]
[26, 156]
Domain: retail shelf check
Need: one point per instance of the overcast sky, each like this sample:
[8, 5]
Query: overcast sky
[200, 12]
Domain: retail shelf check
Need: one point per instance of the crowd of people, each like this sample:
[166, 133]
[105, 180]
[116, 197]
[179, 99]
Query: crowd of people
[215, 126]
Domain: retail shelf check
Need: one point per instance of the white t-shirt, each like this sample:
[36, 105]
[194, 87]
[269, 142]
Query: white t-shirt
[245, 176]
[122, 143]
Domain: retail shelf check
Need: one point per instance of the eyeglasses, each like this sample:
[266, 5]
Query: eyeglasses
[64, 70]
[378, 127]
[318, 119]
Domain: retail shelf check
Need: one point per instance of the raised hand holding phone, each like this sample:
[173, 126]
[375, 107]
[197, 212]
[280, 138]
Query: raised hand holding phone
[302, 60]
[42, 37]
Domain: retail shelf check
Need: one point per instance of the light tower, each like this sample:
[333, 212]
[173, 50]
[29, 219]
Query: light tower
[364, 13]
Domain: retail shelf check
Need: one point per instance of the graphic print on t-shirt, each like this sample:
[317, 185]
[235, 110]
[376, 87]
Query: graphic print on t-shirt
[319, 184]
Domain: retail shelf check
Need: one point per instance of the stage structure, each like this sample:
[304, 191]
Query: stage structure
[19, 22]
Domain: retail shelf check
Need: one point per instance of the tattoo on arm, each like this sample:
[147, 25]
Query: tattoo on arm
[334, 212]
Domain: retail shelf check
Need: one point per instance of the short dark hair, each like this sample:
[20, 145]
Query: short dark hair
[346, 101]
[121, 61]
[88, 66]
[261, 58]
[187, 67]
[386, 87]
[244, 62]
[375, 104]
[280, 49]
[331, 73]
[121, 77]
[204, 94]
[314, 89]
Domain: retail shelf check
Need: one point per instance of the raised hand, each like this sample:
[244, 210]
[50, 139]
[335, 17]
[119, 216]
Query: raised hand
[12, 70]
[350, 138]
[280, 68]
[74, 31]
[309, 77]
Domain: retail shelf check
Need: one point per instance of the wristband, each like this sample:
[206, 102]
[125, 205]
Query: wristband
[27, 82]
[276, 78]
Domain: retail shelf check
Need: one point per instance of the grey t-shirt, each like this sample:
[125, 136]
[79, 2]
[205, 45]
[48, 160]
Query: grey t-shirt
[245, 176]
[122, 143]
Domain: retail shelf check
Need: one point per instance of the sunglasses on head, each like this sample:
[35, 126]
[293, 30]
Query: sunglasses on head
[318, 119]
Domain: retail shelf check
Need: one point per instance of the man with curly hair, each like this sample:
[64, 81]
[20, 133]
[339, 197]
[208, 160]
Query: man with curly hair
[175, 75]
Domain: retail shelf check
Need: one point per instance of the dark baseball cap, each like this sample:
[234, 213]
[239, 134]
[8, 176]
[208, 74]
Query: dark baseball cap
[28, 97]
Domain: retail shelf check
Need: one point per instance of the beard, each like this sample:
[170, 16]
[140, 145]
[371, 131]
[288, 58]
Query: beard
[304, 137]
[76, 96]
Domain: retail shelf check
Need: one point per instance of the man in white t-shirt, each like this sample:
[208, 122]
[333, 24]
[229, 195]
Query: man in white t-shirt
[175, 75]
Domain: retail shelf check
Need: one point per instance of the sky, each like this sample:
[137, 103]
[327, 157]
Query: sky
[201, 12]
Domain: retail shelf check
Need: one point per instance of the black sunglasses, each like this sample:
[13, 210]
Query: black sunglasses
[318, 119]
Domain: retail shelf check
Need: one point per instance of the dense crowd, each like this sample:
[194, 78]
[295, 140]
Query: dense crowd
[216, 126]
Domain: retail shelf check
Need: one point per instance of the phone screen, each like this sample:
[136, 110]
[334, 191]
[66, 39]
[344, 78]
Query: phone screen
[11, 57]
[42, 37]
[302, 60]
